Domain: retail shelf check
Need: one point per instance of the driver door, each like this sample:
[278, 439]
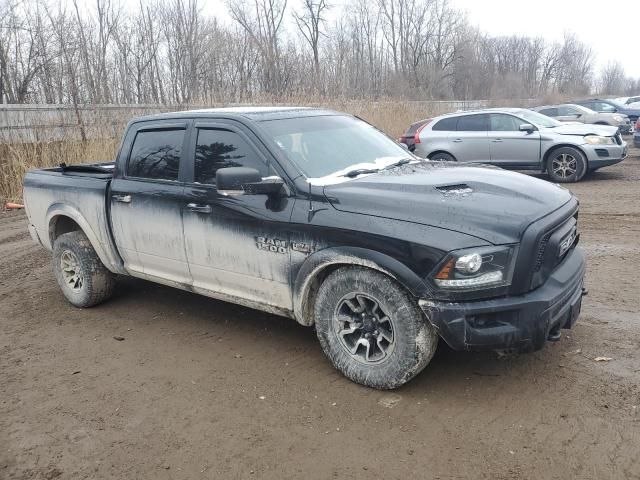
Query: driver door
[236, 245]
[509, 145]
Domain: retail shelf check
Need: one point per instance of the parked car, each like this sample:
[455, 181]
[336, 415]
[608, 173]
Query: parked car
[521, 139]
[609, 106]
[577, 113]
[408, 138]
[318, 216]
[627, 100]
[636, 134]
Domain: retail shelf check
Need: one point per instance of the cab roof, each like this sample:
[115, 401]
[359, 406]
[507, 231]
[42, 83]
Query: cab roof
[256, 113]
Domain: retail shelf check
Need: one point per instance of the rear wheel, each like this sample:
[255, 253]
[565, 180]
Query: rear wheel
[566, 165]
[83, 278]
[442, 157]
[371, 329]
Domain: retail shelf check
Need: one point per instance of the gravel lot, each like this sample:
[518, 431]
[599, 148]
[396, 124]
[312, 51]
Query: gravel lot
[204, 389]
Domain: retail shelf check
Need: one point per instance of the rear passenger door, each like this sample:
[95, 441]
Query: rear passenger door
[510, 146]
[237, 245]
[469, 142]
[146, 199]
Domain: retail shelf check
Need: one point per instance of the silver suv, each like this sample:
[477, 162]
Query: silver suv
[520, 139]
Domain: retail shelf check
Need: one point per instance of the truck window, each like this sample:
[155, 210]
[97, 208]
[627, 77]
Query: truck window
[220, 149]
[156, 154]
[473, 123]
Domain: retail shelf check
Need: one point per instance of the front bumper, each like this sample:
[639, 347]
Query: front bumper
[600, 156]
[520, 323]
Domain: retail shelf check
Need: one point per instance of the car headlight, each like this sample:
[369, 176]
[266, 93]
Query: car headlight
[619, 118]
[598, 140]
[475, 269]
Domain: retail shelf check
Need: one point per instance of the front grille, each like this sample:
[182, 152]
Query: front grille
[618, 138]
[548, 257]
[541, 249]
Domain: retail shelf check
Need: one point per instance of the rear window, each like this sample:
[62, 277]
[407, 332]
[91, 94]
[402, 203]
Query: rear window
[549, 112]
[156, 154]
[473, 123]
[446, 124]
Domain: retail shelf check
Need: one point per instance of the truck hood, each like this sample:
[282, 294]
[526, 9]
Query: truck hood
[489, 203]
[582, 129]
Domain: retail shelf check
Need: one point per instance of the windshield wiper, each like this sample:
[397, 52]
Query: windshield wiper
[359, 171]
[403, 161]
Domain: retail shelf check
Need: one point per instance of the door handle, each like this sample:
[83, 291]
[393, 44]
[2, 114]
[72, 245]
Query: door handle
[497, 140]
[122, 198]
[457, 140]
[194, 207]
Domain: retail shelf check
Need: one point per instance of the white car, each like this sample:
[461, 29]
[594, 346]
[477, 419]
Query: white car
[630, 102]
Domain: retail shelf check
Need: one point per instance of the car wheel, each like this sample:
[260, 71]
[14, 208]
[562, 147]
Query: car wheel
[371, 329]
[566, 164]
[442, 157]
[83, 278]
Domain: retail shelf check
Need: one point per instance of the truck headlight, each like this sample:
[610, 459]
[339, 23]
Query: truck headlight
[598, 140]
[475, 269]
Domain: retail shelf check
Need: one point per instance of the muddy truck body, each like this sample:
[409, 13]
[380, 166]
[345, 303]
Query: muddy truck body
[318, 216]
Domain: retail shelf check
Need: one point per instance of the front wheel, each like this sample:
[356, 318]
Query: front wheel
[84, 280]
[442, 157]
[371, 329]
[566, 165]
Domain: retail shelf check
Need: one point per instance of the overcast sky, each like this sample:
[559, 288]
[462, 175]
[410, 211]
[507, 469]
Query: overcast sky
[611, 28]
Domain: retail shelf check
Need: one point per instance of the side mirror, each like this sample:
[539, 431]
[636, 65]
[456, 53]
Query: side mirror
[527, 127]
[246, 181]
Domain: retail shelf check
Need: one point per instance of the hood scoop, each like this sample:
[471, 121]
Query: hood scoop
[457, 190]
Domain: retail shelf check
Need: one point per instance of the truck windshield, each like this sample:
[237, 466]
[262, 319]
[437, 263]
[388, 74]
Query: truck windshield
[329, 145]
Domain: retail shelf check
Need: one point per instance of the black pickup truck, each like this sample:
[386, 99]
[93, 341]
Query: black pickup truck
[318, 216]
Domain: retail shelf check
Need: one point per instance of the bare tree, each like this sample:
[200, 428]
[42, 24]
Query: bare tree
[612, 78]
[310, 21]
[172, 52]
[262, 20]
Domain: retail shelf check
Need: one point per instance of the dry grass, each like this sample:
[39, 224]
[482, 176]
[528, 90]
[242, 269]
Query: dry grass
[17, 157]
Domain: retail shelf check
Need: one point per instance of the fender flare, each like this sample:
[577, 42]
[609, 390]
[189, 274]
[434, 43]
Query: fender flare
[310, 274]
[109, 258]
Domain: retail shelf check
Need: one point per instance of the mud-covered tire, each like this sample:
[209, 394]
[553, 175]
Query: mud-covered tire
[442, 157]
[414, 338]
[574, 160]
[82, 277]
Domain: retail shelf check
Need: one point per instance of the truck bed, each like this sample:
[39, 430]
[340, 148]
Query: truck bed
[79, 192]
[97, 170]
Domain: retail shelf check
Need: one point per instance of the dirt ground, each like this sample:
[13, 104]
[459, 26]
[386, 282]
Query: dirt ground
[204, 389]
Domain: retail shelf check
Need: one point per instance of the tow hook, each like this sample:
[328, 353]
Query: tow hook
[585, 292]
[554, 335]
